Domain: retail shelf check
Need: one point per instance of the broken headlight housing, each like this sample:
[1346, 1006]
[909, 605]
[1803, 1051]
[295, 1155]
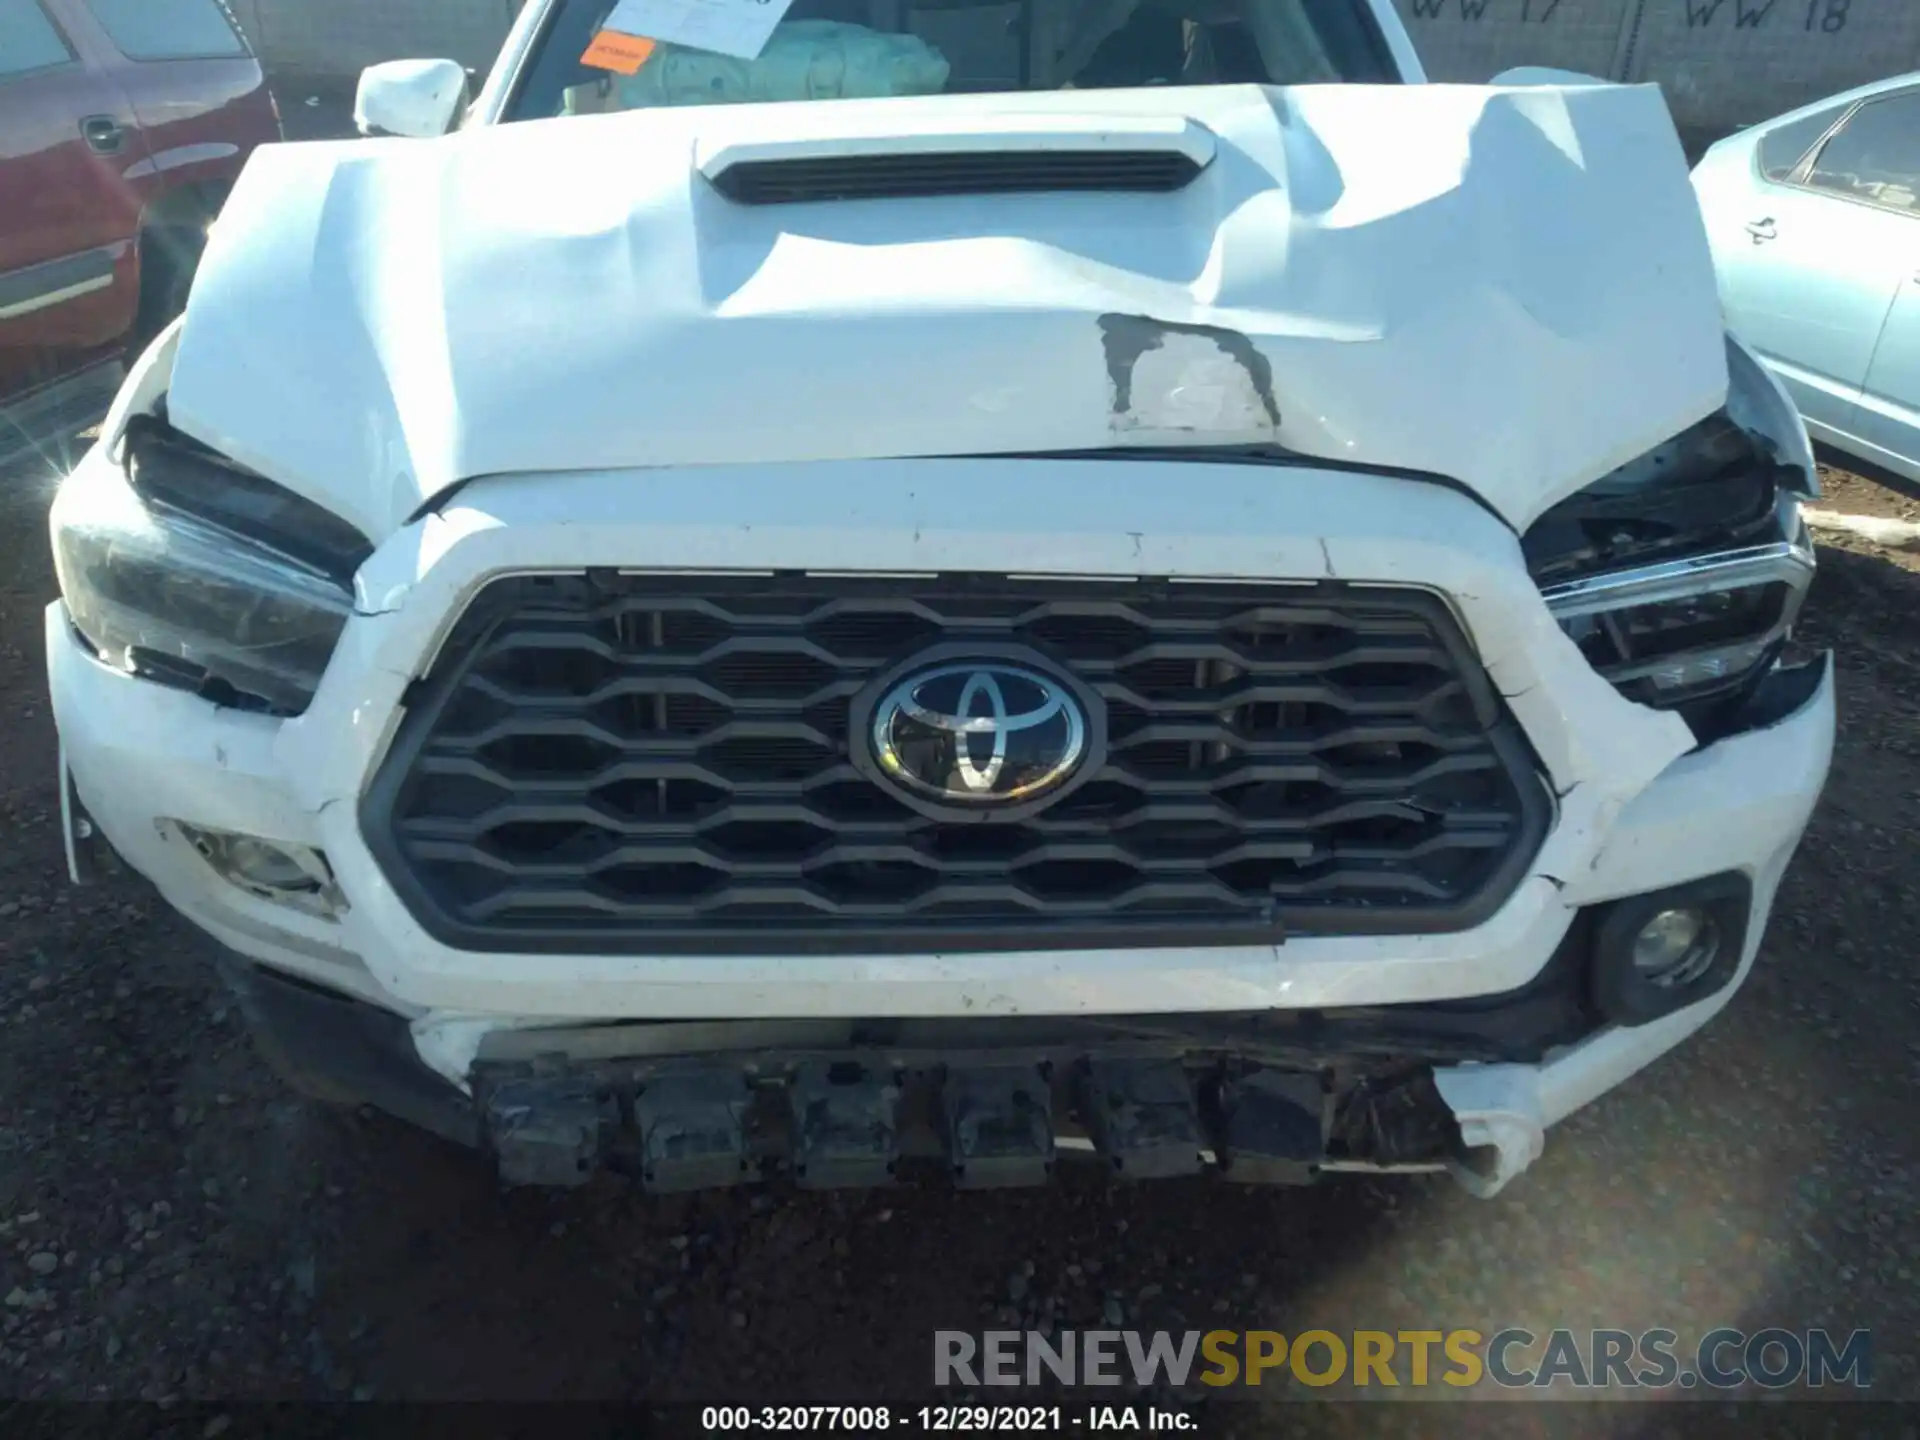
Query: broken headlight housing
[183, 568]
[1680, 575]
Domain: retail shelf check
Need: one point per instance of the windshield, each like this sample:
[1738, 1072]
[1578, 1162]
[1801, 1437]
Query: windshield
[851, 49]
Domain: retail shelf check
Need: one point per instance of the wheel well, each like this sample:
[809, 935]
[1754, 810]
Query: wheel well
[187, 205]
[167, 251]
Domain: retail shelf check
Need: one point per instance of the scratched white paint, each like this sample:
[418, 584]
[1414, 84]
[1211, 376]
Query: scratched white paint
[1189, 383]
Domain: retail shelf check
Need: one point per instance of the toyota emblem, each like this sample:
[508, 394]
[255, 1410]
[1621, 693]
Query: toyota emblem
[979, 735]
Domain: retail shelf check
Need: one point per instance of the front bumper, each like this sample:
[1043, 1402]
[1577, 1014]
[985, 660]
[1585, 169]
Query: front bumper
[1269, 1097]
[1637, 808]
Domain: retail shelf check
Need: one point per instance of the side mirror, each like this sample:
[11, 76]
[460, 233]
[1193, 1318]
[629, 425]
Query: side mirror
[417, 98]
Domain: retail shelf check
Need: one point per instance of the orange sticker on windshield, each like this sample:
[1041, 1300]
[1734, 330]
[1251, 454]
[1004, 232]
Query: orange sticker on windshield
[622, 54]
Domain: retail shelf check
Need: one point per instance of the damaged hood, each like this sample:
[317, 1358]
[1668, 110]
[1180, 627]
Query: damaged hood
[1508, 287]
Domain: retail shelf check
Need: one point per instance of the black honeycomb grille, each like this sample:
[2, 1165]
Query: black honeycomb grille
[654, 764]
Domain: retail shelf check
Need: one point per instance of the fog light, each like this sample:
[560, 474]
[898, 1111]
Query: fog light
[1674, 947]
[1657, 953]
[275, 870]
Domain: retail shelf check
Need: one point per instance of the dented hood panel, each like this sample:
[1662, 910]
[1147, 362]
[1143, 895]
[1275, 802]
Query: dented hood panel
[1507, 287]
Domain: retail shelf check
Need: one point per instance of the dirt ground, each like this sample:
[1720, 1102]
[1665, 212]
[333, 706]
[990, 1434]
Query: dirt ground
[174, 1224]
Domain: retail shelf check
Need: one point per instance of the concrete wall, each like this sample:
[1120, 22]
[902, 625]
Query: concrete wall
[1722, 63]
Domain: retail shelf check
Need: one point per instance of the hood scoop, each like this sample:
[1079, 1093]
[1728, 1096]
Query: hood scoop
[979, 156]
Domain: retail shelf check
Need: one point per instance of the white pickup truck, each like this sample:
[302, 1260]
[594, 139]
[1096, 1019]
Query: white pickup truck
[1132, 580]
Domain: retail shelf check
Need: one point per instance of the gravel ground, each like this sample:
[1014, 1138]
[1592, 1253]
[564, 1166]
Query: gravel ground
[174, 1224]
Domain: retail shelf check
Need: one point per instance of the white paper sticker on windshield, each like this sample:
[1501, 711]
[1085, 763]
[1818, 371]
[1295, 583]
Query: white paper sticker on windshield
[727, 27]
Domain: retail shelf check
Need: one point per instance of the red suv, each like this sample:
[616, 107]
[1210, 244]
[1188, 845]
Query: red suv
[123, 124]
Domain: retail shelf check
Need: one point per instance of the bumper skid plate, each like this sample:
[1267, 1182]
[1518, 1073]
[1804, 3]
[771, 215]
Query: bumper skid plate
[845, 1126]
[989, 1121]
[999, 1126]
[692, 1129]
[1144, 1118]
[547, 1131]
[1274, 1128]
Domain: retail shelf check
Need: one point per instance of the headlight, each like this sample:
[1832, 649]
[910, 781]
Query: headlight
[1690, 632]
[188, 570]
[1681, 574]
